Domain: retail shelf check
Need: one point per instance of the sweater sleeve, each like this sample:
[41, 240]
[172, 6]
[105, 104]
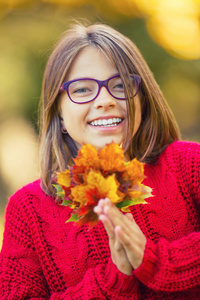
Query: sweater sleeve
[23, 276]
[171, 266]
[175, 266]
[102, 282]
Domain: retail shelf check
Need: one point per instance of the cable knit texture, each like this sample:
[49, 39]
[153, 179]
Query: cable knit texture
[45, 258]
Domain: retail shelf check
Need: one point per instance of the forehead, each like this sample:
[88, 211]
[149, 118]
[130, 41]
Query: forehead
[91, 62]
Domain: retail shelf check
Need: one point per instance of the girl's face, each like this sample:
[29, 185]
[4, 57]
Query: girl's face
[85, 123]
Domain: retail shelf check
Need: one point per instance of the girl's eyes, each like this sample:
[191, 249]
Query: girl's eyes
[119, 86]
[81, 90]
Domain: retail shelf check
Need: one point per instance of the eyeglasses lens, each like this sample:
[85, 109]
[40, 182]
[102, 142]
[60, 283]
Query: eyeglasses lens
[83, 90]
[117, 89]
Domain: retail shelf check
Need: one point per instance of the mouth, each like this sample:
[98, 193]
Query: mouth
[106, 122]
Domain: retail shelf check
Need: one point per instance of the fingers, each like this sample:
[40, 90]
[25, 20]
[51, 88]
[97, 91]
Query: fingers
[106, 207]
[130, 217]
[134, 245]
[108, 226]
[117, 245]
[127, 242]
[124, 234]
[117, 251]
[100, 207]
[101, 211]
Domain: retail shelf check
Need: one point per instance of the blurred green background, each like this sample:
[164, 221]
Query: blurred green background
[166, 31]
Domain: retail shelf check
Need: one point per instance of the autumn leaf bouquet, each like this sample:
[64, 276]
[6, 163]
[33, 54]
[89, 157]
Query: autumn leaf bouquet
[97, 175]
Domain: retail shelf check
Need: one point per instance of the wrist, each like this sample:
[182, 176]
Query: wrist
[146, 270]
[118, 280]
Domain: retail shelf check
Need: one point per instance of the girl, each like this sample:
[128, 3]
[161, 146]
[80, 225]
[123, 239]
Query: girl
[97, 89]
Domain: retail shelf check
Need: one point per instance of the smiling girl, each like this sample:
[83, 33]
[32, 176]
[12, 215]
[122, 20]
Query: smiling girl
[97, 89]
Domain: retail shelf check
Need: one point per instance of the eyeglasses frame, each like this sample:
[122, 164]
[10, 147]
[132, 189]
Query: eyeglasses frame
[101, 83]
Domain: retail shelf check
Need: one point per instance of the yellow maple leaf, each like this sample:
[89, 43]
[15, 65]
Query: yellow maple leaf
[64, 178]
[78, 195]
[107, 187]
[135, 201]
[133, 194]
[137, 195]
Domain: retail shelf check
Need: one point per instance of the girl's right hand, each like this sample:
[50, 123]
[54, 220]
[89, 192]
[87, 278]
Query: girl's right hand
[118, 253]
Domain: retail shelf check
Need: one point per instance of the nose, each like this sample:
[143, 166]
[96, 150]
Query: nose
[104, 99]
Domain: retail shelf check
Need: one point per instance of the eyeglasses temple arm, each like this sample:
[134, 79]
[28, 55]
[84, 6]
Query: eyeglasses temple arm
[61, 89]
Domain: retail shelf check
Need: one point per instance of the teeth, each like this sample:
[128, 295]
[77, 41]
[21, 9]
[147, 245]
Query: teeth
[106, 122]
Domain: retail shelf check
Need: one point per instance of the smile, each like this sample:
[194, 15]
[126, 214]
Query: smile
[106, 122]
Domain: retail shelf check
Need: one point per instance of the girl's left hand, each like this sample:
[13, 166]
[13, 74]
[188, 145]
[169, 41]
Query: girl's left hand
[127, 242]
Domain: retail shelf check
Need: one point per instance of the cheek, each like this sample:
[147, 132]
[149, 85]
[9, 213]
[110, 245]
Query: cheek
[71, 119]
[67, 111]
[74, 115]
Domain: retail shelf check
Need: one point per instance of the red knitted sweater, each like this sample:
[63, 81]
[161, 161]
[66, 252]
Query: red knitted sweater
[45, 258]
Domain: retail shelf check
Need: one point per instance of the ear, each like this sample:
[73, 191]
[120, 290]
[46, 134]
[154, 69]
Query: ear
[62, 125]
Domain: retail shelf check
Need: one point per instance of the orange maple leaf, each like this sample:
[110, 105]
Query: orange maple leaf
[135, 170]
[112, 158]
[87, 157]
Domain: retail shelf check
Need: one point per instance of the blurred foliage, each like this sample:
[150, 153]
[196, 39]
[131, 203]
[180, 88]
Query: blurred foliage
[166, 31]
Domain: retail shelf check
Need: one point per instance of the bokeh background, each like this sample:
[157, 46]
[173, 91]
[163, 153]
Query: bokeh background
[166, 31]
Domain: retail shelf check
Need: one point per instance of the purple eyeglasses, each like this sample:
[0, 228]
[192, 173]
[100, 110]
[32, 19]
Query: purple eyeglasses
[84, 90]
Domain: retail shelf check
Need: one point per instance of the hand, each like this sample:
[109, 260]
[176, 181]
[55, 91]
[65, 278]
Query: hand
[126, 240]
[118, 253]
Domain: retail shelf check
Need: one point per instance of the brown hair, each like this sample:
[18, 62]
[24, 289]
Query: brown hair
[158, 127]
